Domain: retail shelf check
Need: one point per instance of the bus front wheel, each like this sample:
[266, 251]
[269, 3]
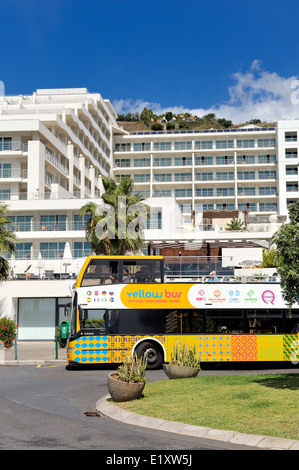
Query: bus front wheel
[152, 353]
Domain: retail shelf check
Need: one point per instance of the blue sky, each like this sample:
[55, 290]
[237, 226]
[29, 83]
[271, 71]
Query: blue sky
[237, 59]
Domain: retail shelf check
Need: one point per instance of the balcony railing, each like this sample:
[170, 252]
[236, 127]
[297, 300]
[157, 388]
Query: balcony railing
[13, 147]
[44, 227]
[13, 173]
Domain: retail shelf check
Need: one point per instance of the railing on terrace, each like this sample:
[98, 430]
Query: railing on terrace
[22, 196]
[150, 225]
[189, 269]
[206, 131]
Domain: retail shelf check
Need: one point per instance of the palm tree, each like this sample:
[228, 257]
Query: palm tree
[7, 241]
[115, 227]
[236, 225]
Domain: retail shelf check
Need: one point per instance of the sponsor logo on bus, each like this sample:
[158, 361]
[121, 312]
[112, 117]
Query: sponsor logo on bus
[268, 297]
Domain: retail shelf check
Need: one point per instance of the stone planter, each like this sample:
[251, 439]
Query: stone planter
[180, 372]
[123, 391]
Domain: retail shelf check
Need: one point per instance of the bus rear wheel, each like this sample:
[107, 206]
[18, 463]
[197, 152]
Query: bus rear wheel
[152, 353]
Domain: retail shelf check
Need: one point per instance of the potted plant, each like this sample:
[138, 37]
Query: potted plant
[8, 331]
[184, 362]
[128, 382]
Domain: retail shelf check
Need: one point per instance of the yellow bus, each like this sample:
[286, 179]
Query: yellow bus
[122, 305]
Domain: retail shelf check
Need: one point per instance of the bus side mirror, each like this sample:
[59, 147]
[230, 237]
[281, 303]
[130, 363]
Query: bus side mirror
[67, 310]
[82, 314]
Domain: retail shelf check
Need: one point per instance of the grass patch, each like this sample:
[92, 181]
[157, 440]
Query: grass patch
[255, 404]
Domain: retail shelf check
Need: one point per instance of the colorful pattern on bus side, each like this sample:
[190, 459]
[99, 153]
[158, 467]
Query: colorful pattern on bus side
[211, 348]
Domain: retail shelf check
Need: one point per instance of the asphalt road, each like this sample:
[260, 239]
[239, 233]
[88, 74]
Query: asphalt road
[43, 408]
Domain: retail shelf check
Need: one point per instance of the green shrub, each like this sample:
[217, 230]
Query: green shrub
[132, 370]
[184, 355]
[8, 330]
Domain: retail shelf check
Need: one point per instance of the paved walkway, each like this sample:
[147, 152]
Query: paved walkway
[33, 352]
[41, 352]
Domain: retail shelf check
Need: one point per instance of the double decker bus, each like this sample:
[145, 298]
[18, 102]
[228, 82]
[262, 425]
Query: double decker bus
[122, 305]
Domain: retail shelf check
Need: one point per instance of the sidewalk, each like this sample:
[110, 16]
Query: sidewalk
[33, 352]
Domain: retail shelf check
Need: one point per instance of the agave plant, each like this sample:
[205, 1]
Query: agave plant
[132, 370]
[184, 355]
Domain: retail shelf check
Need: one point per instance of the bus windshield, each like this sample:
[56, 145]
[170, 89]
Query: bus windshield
[93, 318]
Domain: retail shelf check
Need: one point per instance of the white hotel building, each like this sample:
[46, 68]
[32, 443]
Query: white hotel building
[55, 145]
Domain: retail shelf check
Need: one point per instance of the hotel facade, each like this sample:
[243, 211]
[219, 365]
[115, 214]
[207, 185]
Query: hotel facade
[57, 144]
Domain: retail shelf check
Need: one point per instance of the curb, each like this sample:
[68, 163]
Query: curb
[113, 411]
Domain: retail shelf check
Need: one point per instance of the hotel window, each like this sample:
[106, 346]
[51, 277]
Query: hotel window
[291, 153]
[155, 220]
[290, 136]
[52, 249]
[23, 250]
[266, 142]
[249, 191]
[246, 175]
[204, 192]
[290, 187]
[183, 177]
[82, 249]
[267, 206]
[142, 146]
[185, 208]
[290, 171]
[245, 143]
[5, 143]
[204, 176]
[267, 158]
[5, 170]
[80, 221]
[266, 175]
[4, 194]
[123, 162]
[203, 144]
[251, 206]
[141, 177]
[248, 159]
[224, 144]
[53, 222]
[162, 161]
[267, 190]
[183, 161]
[204, 207]
[122, 147]
[223, 207]
[203, 160]
[162, 193]
[140, 162]
[224, 175]
[22, 223]
[225, 160]
[162, 146]
[184, 192]
[163, 177]
[225, 192]
[183, 145]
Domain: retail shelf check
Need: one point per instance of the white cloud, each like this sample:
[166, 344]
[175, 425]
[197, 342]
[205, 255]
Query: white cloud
[256, 94]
